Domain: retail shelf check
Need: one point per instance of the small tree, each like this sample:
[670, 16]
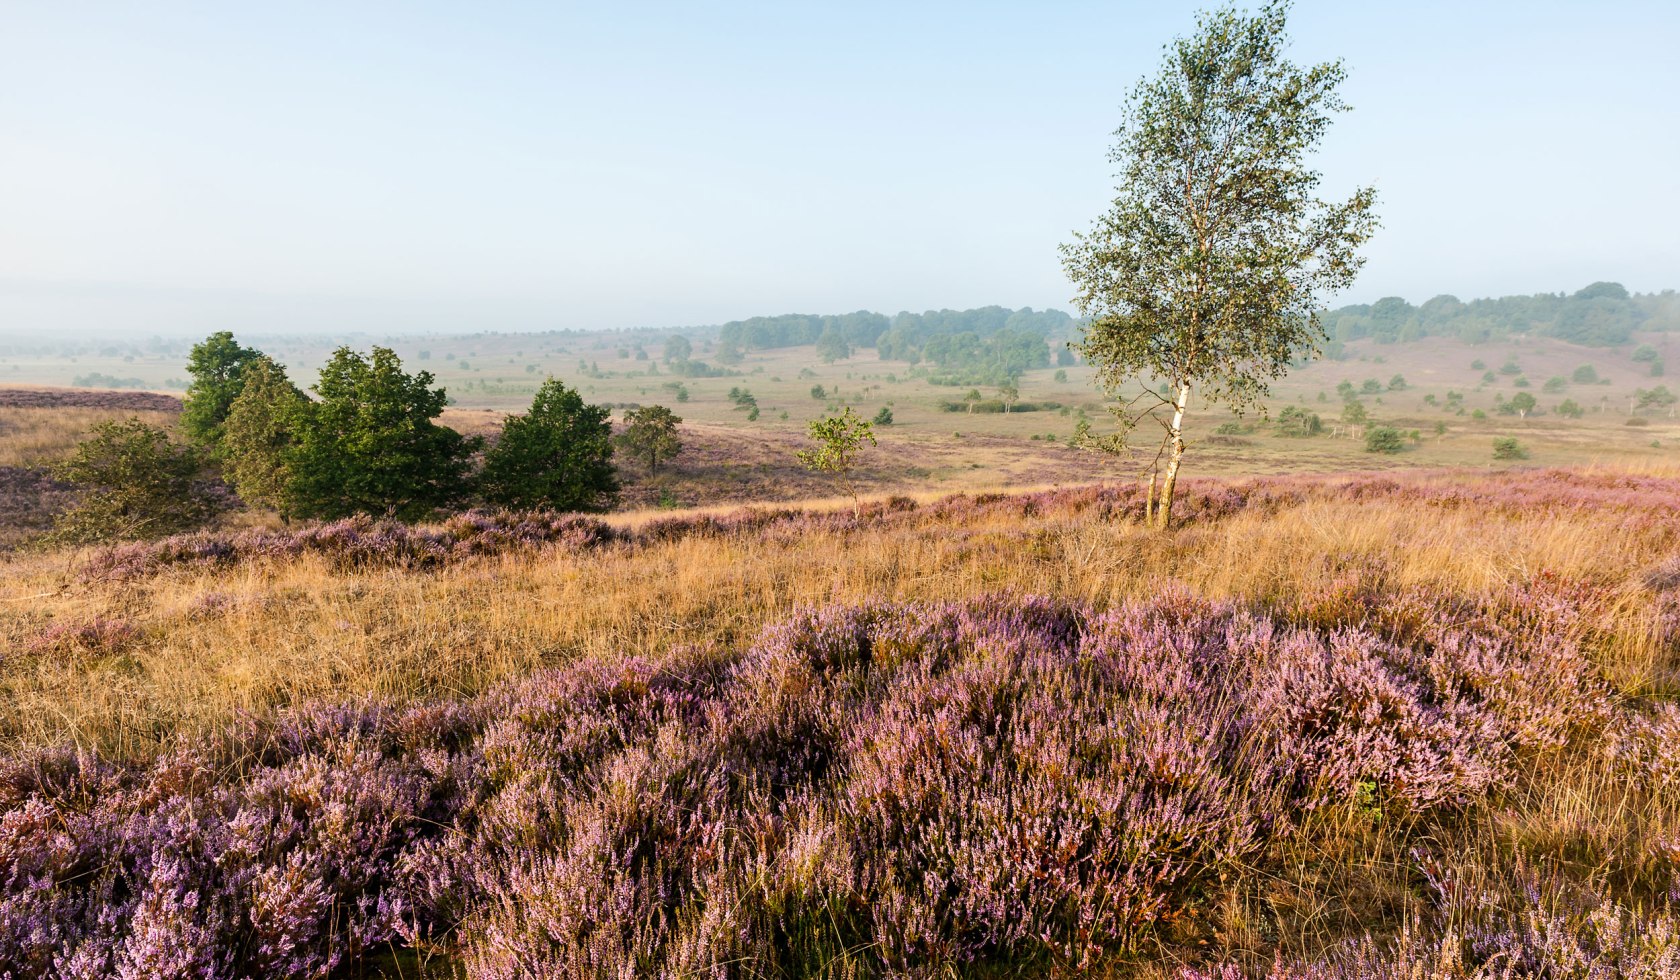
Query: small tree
[1210, 267]
[1297, 422]
[1009, 393]
[260, 430]
[650, 435]
[134, 482]
[1522, 403]
[370, 445]
[217, 367]
[1508, 449]
[1384, 439]
[839, 440]
[678, 349]
[558, 455]
[882, 418]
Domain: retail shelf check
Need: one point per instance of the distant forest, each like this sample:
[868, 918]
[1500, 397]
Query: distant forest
[990, 345]
[1603, 314]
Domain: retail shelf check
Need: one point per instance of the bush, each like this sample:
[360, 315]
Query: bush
[883, 417]
[1508, 449]
[1384, 439]
[134, 482]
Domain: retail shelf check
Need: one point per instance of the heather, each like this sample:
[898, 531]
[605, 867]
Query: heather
[1637, 503]
[885, 789]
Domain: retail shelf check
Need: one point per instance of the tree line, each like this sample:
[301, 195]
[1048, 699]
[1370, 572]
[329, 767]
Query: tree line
[1603, 314]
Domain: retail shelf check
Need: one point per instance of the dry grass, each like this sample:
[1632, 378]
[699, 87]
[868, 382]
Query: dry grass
[202, 645]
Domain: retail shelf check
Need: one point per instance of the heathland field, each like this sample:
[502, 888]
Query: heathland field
[1418, 724]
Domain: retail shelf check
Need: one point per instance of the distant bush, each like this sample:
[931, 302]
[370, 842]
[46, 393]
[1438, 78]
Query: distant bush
[1384, 439]
[1508, 449]
[883, 417]
[98, 380]
[1586, 374]
[983, 406]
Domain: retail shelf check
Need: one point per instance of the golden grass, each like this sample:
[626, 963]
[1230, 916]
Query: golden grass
[213, 643]
[43, 436]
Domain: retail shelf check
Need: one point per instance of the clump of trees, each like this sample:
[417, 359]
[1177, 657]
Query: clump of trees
[365, 440]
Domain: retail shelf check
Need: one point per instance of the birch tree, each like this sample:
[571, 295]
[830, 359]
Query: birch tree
[1209, 268]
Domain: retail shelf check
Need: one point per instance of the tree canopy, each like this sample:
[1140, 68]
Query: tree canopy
[217, 367]
[370, 445]
[1207, 271]
[557, 456]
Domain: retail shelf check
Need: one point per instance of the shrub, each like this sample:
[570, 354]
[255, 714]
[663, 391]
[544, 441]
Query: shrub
[133, 482]
[1384, 439]
[883, 417]
[1508, 449]
[1296, 422]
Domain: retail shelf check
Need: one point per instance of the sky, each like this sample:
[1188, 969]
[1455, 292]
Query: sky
[422, 167]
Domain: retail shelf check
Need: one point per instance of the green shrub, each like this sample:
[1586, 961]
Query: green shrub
[1508, 449]
[134, 482]
[1384, 439]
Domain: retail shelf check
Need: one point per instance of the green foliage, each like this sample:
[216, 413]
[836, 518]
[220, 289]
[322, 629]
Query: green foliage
[259, 432]
[556, 456]
[1397, 383]
[1060, 376]
[882, 418]
[838, 441]
[1508, 449]
[650, 435]
[216, 366]
[369, 445]
[1510, 367]
[1603, 314]
[1658, 397]
[1371, 387]
[1586, 374]
[1384, 439]
[1354, 413]
[678, 348]
[1570, 409]
[1210, 268]
[1298, 423]
[832, 346]
[819, 392]
[133, 482]
[1554, 385]
[1643, 353]
[1522, 403]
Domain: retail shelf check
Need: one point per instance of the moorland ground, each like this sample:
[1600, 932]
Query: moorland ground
[1432, 710]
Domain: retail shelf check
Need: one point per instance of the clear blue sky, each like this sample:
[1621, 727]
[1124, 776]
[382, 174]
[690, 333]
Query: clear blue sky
[172, 167]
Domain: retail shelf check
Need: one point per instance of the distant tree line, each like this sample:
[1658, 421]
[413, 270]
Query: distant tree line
[1603, 314]
[990, 345]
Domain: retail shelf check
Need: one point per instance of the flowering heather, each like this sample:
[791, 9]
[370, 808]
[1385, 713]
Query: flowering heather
[1640, 504]
[892, 789]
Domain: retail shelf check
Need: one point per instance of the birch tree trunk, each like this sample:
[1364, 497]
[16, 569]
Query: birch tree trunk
[1175, 443]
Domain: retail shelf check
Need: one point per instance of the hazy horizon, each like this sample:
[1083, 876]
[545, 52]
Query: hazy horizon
[311, 169]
